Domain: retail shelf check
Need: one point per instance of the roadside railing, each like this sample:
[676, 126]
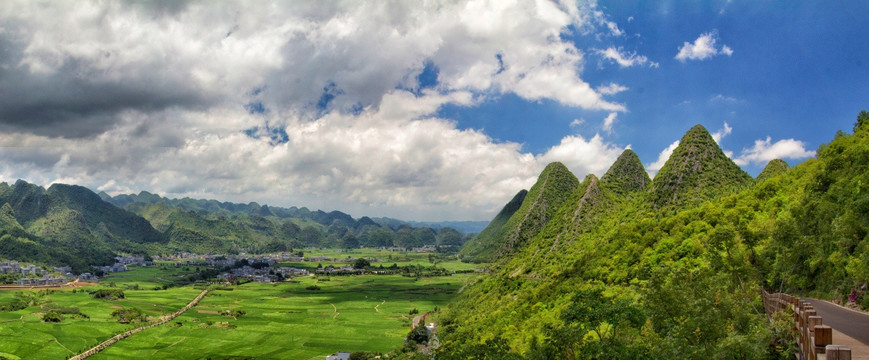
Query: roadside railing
[815, 339]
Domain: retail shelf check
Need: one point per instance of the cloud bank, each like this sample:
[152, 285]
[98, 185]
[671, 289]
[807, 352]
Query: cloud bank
[327, 105]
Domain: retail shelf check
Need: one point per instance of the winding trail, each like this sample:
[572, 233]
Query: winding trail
[163, 319]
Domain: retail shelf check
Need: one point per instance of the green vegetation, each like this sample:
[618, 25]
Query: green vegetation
[107, 294]
[626, 272]
[552, 189]
[283, 320]
[773, 168]
[697, 171]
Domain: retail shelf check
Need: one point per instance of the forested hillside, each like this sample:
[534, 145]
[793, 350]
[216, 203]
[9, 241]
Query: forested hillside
[71, 225]
[673, 268]
[221, 227]
[68, 225]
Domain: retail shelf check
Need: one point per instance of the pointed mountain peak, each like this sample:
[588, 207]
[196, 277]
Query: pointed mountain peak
[627, 174]
[7, 217]
[697, 170]
[524, 216]
[773, 167]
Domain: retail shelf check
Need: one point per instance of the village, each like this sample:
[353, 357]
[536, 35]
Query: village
[34, 275]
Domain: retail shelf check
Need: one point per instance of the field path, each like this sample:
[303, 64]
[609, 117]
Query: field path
[61, 345]
[336, 310]
[163, 319]
[11, 320]
[378, 305]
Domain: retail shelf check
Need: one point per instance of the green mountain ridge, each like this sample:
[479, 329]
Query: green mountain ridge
[773, 168]
[481, 246]
[673, 269]
[553, 187]
[696, 171]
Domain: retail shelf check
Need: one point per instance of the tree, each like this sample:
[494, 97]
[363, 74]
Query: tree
[350, 241]
[52, 316]
[361, 263]
[449, 236]
[862, 120]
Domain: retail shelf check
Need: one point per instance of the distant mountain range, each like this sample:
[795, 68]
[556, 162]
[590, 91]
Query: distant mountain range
[71, 225]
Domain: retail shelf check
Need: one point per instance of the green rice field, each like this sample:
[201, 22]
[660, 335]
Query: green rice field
[287, 320]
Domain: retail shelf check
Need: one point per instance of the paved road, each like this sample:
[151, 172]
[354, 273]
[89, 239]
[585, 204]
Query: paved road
[848, 322]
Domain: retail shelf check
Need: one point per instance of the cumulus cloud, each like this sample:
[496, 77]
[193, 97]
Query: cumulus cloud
[73, 75]
[583, 157]
[765, 150]
[721, 133]
[662, 159]
[704, 47]
[625, 59]
[318, 105]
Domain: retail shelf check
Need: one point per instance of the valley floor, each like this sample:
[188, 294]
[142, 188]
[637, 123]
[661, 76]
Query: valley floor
[287, 320]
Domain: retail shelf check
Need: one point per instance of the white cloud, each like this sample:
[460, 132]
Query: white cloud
[765, 150]
[702, 48]
[662, 159]
[611, 89]
[721, 133]
[336, 130]
[722, 99]
[608, 122]
[577, 122]
[581, 156]
[625, 59]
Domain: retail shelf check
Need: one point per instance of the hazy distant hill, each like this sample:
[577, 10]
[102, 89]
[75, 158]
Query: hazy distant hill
[212, 226]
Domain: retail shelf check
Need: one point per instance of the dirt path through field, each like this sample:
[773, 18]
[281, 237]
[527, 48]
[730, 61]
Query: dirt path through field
[336, 310]
[163, 319]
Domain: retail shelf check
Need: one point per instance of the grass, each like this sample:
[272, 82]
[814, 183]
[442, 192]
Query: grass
[24, 334]
[401, 258]
[286, 321]
[282, 321]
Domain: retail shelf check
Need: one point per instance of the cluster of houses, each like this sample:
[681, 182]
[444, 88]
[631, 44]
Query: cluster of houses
[37, 276]
[266, 274]
[15, 268]
[121, 263]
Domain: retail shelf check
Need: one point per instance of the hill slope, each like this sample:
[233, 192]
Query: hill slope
[675, 268]
[539, 205]
[697, 170]
[483, 245]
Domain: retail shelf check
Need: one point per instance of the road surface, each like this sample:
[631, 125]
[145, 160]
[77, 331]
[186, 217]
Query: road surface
[849, 322]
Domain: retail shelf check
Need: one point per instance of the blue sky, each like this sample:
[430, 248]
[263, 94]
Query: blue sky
[798, 70]
[437, 110]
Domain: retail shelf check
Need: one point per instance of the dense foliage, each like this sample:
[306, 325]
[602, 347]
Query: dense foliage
[675, 269]
[71, 225]
[538, 206]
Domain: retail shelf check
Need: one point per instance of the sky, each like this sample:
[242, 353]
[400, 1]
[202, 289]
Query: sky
[417, 110]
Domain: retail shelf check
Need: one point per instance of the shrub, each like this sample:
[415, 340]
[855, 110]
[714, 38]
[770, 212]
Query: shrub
[108, 294]
[313, 287]
[129, 315]
[52, 316]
